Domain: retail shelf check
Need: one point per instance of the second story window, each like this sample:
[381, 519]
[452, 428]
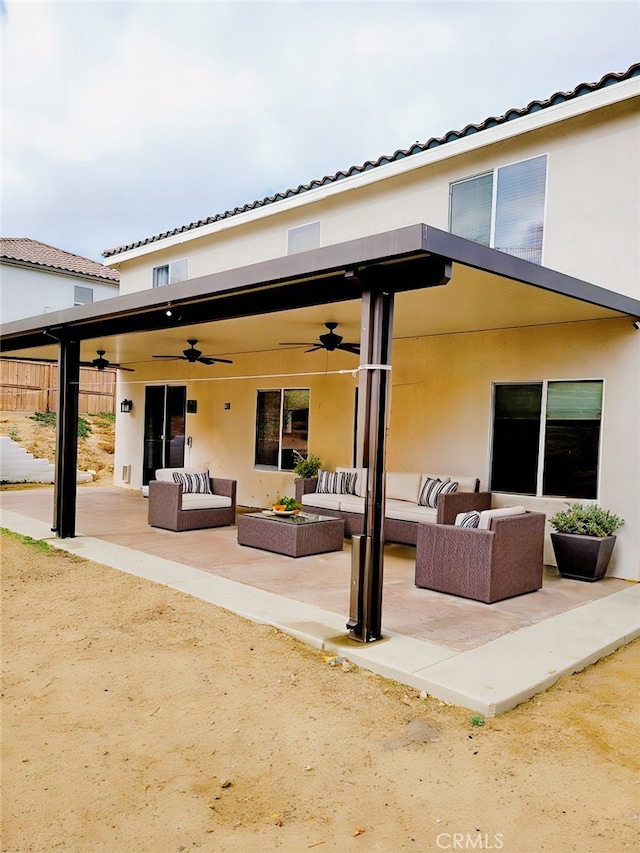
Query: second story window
[503, 209]
[171, 273]
[82, 295]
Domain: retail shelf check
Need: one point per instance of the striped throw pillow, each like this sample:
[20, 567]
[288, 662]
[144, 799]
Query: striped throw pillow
[432, 489]
[336, 482]
[467, 519]
[193, 484]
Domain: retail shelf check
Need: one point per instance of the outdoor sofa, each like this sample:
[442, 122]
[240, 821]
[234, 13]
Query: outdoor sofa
[189, 499]
[500, 558]
[411, 501]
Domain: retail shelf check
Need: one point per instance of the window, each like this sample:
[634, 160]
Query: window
[82, 295]
[503, 209]
[303, 238]
[170, 273]
[282, 427]
[546, 438]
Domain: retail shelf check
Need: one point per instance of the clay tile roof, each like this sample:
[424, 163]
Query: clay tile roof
[33, 253]
[452, 135]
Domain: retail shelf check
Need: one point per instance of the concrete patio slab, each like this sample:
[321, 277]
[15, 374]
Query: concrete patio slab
[489, 675]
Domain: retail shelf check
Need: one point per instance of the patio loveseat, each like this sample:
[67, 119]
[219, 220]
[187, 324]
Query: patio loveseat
[189, 499]
[412, 499]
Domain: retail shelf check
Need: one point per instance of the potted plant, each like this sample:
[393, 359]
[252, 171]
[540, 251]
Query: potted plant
[306, 466]
[583, 541]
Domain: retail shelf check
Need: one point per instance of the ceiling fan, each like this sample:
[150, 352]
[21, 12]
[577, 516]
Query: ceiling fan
[192, 355]
[100, 363]
[329, 341]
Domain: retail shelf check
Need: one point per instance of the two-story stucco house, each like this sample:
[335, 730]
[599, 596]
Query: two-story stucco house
[515, 358]
[38, 278]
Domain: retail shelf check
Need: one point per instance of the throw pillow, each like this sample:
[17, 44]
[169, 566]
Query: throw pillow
[327, 482]
[193, 484]
[336, 482]
[468, 519]
[432, 489]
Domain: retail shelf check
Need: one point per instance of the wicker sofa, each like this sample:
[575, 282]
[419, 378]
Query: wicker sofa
[173, 507]
[403, 512]
[499, 559]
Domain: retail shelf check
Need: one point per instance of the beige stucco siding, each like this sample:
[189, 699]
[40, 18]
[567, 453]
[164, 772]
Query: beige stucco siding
[592, 205]
[440, 411]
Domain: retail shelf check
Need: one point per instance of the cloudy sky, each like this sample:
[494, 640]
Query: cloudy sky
[125, 119]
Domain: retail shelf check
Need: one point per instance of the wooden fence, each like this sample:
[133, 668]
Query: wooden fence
[32, 386]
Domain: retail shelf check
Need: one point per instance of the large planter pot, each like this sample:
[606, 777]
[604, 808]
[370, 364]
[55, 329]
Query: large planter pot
[582, 558]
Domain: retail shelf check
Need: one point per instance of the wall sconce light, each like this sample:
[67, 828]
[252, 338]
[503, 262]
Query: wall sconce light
[126, 406]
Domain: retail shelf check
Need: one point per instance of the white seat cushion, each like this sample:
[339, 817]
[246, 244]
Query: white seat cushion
[204, 501]
[487, 514]
[318, 499]
[408, 511]
[403, 486]
[351, 503]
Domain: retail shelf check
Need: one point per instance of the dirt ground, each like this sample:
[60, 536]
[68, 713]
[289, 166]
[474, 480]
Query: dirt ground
[137, 718]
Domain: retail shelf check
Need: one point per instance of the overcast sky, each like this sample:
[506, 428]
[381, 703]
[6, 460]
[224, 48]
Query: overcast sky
[125, 119]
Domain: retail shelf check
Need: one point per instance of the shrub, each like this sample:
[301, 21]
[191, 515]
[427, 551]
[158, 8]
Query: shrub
[306, 466]
[586, 520]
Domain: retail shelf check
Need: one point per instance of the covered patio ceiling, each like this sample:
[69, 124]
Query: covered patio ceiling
[488, 290]
[455, 286]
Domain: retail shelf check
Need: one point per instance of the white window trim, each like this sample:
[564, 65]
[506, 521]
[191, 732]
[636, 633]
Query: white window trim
[169, 264]
[494, 195]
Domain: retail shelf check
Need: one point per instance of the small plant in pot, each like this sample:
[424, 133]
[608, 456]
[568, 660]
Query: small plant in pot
[306, 466]
[583, 541]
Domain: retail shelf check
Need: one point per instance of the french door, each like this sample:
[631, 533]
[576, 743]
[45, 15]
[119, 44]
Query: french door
[164, 429]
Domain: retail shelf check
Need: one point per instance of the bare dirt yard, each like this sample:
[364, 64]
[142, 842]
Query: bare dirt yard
[137, 718]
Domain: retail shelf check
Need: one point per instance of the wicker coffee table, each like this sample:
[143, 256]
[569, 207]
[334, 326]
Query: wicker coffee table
[293, 536]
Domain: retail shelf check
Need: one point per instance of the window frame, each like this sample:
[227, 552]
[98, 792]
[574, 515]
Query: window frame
[170, 276]
[261, 466]
[493, 213]
[88, 291]
[543, 423]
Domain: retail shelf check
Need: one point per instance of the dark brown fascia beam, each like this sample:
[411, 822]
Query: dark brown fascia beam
[309, 278]
[479, 257]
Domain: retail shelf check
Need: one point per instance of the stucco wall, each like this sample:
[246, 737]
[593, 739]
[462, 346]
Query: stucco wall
[29, 292]
[440, 411]
[592, 205]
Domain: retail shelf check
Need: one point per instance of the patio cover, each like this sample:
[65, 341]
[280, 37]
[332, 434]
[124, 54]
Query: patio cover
[372, 269]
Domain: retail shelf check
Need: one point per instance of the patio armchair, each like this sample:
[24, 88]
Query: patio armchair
[500, 559]
[189, 499]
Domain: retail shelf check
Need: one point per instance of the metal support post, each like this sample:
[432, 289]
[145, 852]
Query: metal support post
[64, 522]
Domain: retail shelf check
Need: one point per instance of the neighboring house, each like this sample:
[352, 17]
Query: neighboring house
[38, 279]
[523, 369]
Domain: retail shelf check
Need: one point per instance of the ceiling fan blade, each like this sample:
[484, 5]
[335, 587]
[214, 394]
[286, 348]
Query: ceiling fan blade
[350, 347]
[128, 369]
[315, 349]
[221, 360]
[297, 344]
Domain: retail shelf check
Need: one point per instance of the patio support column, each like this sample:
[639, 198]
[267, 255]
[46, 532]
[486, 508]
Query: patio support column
[64, 520]
[365, 623]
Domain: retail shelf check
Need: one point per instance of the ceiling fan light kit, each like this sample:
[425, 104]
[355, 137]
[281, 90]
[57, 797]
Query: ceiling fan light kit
[193, 355]
[329, 341]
